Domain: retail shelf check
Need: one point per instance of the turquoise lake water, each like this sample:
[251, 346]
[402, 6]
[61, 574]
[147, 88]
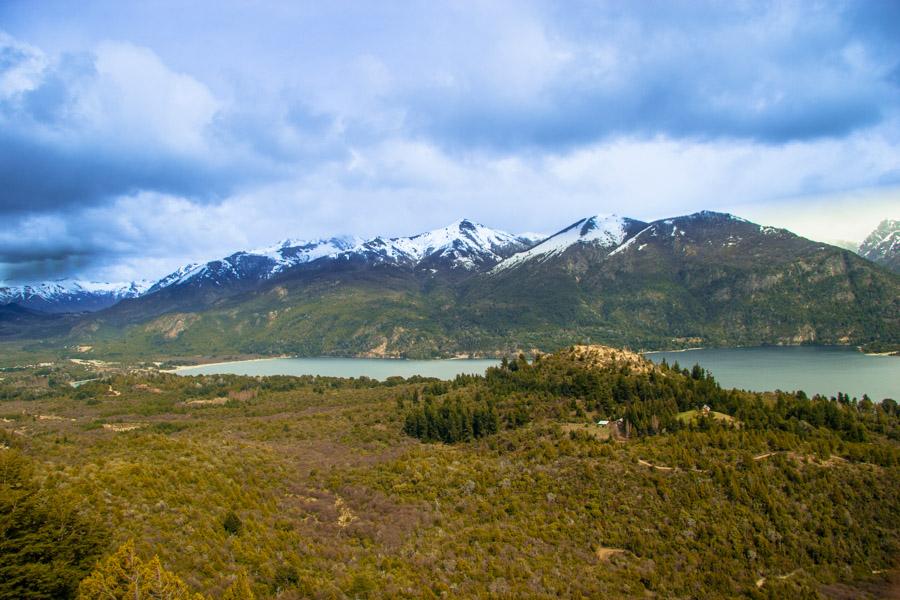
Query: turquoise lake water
[814, 369]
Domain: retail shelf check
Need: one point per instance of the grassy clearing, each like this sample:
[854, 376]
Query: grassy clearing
[689, 417]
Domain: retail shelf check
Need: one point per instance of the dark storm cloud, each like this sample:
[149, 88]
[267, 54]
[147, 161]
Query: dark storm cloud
[72, 136]
[44, 269]
[36, 176]
[659, 108]
[36, 251]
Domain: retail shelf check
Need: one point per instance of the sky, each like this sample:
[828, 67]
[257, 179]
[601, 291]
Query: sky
[138, 136]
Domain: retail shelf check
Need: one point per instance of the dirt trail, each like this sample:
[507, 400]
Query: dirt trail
[652, 466]
[829, 462]
[762, 580]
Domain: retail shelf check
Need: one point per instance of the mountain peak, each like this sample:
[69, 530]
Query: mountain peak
[606, 231]
[461, 244]
[602, 224]
[883, 245]
[707, 215]
[464, 224]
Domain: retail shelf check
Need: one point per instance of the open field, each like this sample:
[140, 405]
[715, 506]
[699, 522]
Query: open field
[691, 416]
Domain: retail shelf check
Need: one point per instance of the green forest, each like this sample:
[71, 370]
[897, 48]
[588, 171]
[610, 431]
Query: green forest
[585, 473]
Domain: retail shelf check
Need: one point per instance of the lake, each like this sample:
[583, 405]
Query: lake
[814, 369]
[376, 368]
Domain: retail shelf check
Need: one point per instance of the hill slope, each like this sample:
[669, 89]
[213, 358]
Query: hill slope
[326, 487]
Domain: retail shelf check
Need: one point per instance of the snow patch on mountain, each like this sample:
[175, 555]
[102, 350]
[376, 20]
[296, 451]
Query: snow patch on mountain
[607, 231]
[290, 252]
[883, 245]
[628, 244]
[883, 242]
[462, 244]
[180, 276]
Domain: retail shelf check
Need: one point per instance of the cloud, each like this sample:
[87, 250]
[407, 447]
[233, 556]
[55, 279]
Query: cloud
[403, 187]
[197, 135]
[83, 128]
[771, 73]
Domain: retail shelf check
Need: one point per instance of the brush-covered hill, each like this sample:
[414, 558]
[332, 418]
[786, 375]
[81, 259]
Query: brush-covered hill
[707, 278]
[504, 485]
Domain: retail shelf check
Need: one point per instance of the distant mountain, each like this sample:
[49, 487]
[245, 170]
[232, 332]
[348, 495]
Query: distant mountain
[69, 295]
[845, 244]
[455, 252]
[247, 268]
[702, 279]
[882, 246]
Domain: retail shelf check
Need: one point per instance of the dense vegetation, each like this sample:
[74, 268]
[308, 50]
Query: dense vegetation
[49, 539]
[288, 487]
[647, 401]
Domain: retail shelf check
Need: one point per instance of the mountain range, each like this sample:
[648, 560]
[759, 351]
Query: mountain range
[71, 295]
[702, 279]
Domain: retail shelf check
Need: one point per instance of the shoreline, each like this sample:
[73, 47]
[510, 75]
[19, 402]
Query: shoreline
[176, 370]
[682, 350]
[216, 363]
[222, 362]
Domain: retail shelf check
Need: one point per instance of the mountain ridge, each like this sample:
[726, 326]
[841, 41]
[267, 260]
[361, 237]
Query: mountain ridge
[463, 245]
[702, 279]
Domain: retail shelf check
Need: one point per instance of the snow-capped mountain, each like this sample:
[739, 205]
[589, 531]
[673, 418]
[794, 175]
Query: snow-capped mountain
[255, 265]
[460, 245]
[463, 246]
[607, 236]
[603, 231]
[705, 277]
[71, 295]
[460, 249]
[883, 245]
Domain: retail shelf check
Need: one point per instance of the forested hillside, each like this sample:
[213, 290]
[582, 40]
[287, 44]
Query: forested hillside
[498, 485]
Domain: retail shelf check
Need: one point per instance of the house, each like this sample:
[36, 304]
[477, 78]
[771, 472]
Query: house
[602, 423]
[705, 410]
